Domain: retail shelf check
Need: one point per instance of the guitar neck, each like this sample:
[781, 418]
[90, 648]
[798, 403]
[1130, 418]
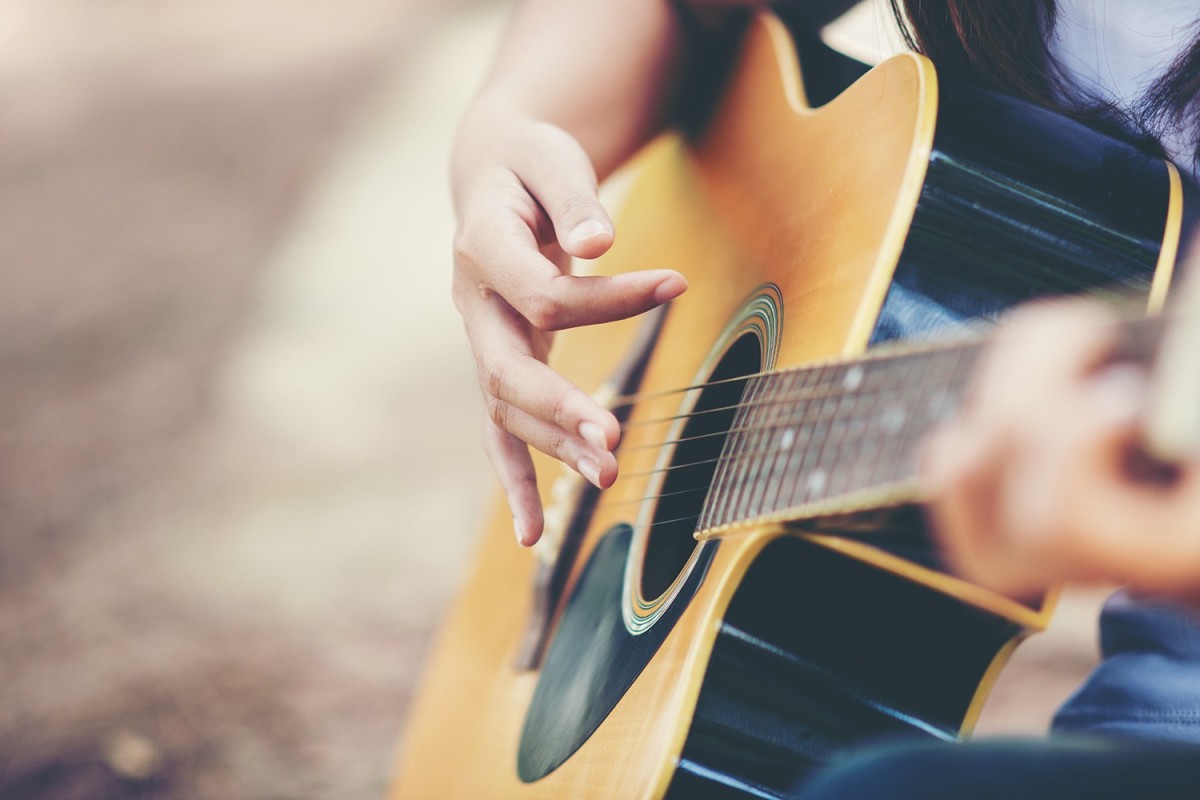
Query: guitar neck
[804, 439]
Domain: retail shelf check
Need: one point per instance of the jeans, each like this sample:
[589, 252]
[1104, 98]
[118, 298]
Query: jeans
[1148, 685]
[1068, 768]
[1132, 731]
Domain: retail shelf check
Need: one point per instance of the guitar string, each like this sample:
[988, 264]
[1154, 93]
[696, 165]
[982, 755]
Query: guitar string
[777, 425]
[856, 395]
[812, 494]
[927, 356]
[896, 355]
[700, 513]
[925, 348]
[637, 500]
[835, 388]
[688, 518]
[784, 477]
[769, 467]
[759, 509]
[851, 417]
[776, 399]
[845, 442]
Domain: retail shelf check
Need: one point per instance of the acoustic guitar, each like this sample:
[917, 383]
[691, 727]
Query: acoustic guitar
[757, 593]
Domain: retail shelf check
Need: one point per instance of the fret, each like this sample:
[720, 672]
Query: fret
[746, 446]
[814, 422]
[772, 442]
[816, 482]
[859, 443]
[808, 435]
[866, 453]
[850, 450]
[856, 442]
[792, 438]
[734, 463]
[893, 414]
[761, 447]
[805, 434]
[735, 446]
[715, 508]
[831, 458]
[901, 415]
[919, 420]
[810, 477]
[715, 488]
[839, 439]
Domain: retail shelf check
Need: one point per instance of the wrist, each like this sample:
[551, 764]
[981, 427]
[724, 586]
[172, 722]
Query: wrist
[491, 120]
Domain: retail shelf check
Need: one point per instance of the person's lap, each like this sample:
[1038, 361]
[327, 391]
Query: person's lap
[1131, 731]
[1066, 768]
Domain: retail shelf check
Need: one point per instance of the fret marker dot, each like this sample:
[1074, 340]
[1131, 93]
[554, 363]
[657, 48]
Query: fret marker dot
[816, 482]
[788, 439]
[853, 379]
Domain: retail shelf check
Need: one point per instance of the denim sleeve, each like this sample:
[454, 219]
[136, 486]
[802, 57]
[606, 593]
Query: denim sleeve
[1148, 684]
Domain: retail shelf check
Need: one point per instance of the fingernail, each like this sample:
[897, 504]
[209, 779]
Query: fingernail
[588, 230]
[593, 434]
[519, 530]
[669, 289]
[590, 470]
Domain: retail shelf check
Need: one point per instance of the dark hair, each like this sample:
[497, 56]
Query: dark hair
[1002, 44]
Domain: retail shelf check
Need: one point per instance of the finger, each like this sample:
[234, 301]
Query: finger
[1175, 539]
[553, 302]
[510, 372]
[1019, 378]
[567, 301]
[962, 486]
[503, 358]
[500, 254]
[1152, 545]
[1042, 349]
[560, 176]
[514, 469]
[992, 470]
[542, 393]
[599, 467]
[1130, 530]
[1073, 506]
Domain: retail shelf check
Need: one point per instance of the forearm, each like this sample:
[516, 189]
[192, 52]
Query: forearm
[576, 88]
[602, 71]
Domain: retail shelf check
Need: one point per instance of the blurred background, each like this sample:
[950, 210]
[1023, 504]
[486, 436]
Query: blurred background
[239, 466]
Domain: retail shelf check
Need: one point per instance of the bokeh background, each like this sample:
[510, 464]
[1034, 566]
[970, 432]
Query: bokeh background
[239, 467]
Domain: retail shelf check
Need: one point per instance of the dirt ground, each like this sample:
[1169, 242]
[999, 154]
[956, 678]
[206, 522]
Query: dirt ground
[194, 602]
[238, 456]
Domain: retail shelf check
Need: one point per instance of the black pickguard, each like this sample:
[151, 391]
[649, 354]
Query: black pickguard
[594, 659]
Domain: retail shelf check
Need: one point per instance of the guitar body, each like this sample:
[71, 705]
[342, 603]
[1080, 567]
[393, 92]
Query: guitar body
[729, 667]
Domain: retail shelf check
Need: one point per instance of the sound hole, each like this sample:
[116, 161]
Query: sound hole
[670, 542]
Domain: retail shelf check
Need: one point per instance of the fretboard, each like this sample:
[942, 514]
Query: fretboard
[805, 436]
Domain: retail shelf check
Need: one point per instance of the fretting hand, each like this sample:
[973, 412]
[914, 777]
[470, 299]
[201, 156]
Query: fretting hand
[1040, 478]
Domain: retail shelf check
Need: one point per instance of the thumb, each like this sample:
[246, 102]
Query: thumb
[563, 181]
[581, 224]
